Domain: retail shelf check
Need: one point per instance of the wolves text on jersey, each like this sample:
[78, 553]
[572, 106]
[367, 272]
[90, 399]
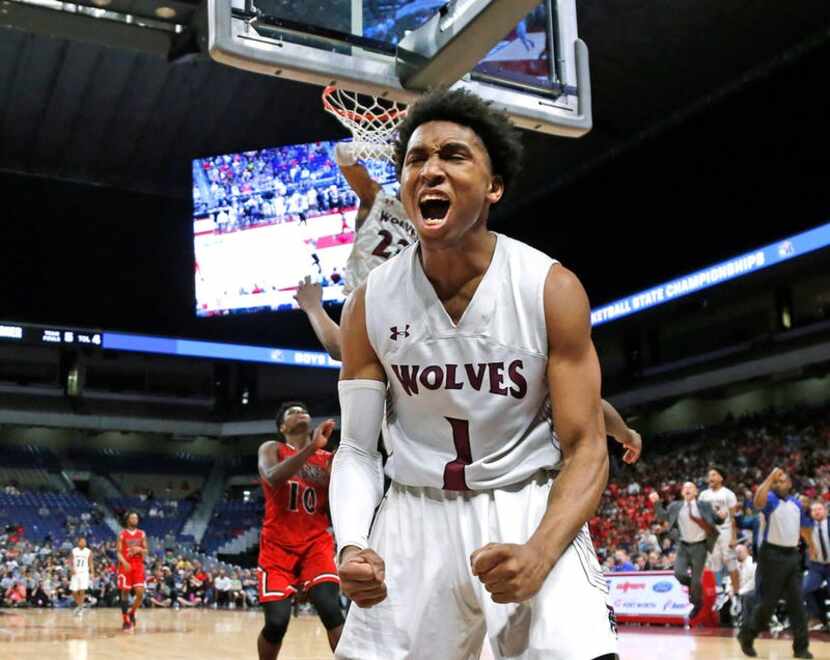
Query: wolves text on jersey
[494, 377]
[385, 216]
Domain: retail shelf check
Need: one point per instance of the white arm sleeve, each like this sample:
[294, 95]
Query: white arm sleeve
[356, 487]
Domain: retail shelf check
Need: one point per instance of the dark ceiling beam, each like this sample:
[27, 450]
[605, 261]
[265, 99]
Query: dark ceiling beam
[65, 25]
[805, 47]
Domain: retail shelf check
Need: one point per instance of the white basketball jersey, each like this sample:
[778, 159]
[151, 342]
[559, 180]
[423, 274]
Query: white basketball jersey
[80, 560]
[469, 405]
[724, 501]
[385, 232]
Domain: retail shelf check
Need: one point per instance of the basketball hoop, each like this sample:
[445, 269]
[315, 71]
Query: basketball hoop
[372, 121]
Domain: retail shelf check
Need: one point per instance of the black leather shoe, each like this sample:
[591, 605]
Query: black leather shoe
[746, 645]
[802, 654]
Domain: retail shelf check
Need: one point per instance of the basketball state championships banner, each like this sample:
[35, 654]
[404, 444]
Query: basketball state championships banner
[648, 597]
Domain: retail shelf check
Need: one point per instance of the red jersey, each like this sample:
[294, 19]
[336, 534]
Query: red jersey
[127, 540]
[297, 512]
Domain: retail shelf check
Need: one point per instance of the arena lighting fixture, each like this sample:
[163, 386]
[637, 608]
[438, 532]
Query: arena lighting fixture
[165, 12]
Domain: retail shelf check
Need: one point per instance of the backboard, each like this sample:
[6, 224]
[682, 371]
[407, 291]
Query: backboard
[520, 55]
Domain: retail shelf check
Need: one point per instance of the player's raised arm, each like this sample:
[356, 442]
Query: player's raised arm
[276, 472]
[574, 381]
[357, 176]
[357, 474]
[310, 299]
[616, 427]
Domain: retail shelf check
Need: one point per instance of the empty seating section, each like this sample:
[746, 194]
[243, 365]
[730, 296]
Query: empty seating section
[60, 516]
[165, 486]
[25, 478]
[159, 517]
[112, 460]
[231, 519]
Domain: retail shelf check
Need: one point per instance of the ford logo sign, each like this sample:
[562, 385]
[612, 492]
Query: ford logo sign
[663, 587]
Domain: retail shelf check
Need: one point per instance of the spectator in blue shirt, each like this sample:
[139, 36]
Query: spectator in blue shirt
[622, 563]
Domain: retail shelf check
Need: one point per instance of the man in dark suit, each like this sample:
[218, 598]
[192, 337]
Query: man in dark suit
[694, 524]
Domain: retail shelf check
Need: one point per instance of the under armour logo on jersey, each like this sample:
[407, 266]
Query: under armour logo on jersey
[399, 333]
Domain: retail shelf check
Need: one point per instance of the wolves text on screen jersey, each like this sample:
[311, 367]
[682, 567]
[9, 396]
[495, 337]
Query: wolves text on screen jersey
[298, 511]
[385, 232]
[128, 539]
[80, 560]
[469, 402]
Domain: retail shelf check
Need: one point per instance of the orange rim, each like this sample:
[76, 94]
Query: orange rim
[358, 117]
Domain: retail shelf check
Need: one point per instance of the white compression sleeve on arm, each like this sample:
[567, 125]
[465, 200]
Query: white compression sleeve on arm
[356, 486]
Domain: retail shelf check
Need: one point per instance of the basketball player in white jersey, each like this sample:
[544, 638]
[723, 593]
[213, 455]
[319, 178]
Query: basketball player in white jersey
[480, 339]
[382, 230]
[724, 502]
[383, 222]
[82, 571]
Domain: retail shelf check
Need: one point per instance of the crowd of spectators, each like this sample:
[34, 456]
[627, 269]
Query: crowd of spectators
[625, 531]
[38, 575]
[627, 535]
[271, 186]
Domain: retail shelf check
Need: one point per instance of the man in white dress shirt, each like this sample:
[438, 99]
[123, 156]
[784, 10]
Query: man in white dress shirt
[746, 573]
[817, 537]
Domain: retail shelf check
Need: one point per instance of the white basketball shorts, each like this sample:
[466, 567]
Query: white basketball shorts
[722, 555]
[79, 582]
[437, 610]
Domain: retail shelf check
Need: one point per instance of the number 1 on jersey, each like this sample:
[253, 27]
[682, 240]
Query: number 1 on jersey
[454, 470]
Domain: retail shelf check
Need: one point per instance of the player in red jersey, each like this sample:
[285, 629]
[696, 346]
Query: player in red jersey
[296, 550]
[131, 549]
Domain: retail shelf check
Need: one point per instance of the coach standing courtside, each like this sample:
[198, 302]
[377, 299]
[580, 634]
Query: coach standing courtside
[697, 523]
[779, 564]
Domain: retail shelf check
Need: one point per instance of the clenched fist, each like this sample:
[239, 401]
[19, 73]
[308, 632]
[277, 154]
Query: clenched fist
[511, 573]
[362, 576]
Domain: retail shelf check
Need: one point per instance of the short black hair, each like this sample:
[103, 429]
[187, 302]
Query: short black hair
[285, 407]
[128, 514]
[719, 469]
[501, 139]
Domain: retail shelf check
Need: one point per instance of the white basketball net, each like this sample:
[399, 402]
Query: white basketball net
[372, 121]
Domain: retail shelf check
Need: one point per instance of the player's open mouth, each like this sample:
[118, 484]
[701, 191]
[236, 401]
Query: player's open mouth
[434, 210]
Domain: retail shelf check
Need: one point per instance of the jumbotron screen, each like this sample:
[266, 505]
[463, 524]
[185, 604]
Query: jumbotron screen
[263, 220]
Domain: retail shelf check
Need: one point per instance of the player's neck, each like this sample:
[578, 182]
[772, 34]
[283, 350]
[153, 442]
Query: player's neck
[296, 441]
[450, 268]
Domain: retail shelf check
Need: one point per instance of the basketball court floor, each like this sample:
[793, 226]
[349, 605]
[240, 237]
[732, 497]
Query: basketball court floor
[220, 635]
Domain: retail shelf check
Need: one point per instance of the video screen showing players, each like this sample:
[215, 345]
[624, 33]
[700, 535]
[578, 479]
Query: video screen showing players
[523, 55]
[263, 220]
